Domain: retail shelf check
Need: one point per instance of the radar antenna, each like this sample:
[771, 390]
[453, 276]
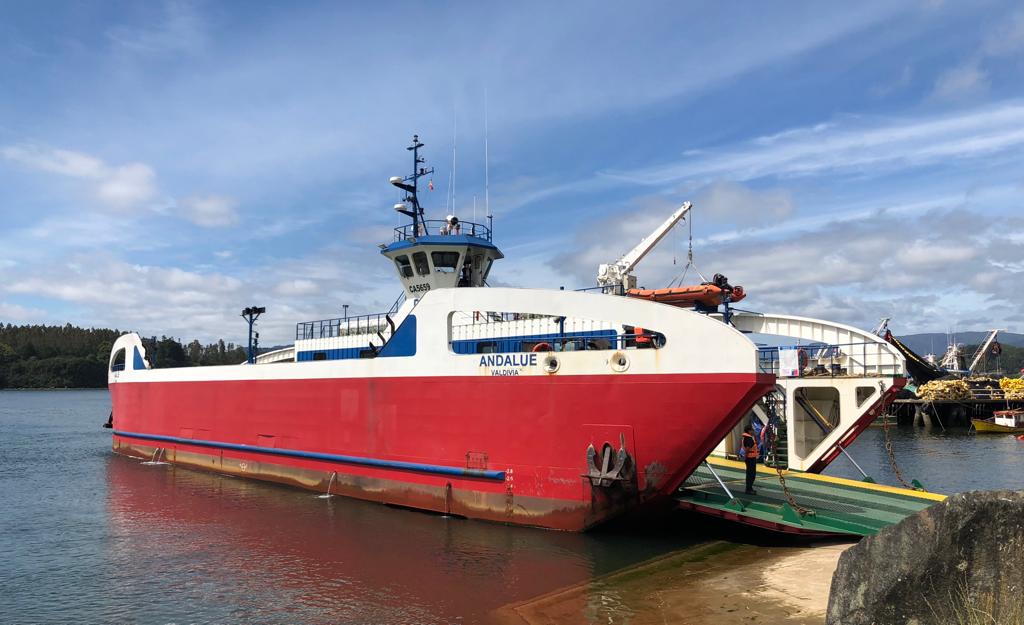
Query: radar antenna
[411, 202]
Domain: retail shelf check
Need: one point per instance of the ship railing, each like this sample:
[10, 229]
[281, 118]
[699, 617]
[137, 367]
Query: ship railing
[558, 343]
[434, 226]
[862, 359]
[343, 326]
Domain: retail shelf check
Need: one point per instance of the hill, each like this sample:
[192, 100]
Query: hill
[936, 342]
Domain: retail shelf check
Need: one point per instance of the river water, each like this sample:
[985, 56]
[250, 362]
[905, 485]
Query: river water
[90, 537]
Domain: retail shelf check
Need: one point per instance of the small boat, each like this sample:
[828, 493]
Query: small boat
[1001, 422]
[706, 294]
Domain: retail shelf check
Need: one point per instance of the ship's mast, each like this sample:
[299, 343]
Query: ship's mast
[412, 190]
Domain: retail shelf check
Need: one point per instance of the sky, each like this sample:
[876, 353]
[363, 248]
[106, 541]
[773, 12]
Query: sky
[163, 165]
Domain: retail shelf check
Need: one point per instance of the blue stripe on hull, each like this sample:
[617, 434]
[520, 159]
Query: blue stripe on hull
[312, 455]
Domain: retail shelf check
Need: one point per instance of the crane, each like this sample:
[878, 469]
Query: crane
[990, 339]
[618, 274]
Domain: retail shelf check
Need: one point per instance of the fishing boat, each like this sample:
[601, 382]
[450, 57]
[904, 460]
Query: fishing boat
[1001, 422]
[546, 408]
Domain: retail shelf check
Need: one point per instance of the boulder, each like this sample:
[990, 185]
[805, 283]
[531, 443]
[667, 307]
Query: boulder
[959, 561]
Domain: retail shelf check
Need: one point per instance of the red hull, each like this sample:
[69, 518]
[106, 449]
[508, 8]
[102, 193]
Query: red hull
[503, 449]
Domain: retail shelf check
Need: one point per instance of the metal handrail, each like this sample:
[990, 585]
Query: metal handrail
[885, 361]
[433, 226]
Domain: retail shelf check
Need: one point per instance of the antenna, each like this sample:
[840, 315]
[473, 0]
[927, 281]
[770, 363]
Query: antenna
[455, 139]
[411, 190]
[487, 168]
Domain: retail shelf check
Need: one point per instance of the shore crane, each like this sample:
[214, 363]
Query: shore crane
[619, 273]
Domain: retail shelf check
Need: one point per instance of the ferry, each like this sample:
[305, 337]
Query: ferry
[547, 408]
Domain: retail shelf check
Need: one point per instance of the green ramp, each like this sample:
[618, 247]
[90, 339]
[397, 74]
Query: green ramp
[832, 506]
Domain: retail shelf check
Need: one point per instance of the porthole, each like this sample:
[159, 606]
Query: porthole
[619, 362]
[551, 364]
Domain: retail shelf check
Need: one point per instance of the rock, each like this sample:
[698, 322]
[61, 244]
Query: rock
[959, 561]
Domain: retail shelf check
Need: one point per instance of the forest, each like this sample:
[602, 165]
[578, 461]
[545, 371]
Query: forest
[41, 356]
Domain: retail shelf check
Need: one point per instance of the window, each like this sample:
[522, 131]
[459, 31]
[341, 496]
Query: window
[816, 414]
[404, 266]
[487, 347]
[420, 260]
[863, 393]
[319, 355]
[117, 364]
[445, 262]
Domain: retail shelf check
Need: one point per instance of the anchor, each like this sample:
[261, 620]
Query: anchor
[610, 466]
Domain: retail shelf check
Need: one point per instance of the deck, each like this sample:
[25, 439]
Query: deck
[837, 506]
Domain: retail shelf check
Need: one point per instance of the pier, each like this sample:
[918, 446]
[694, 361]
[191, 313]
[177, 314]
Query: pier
[949, 412]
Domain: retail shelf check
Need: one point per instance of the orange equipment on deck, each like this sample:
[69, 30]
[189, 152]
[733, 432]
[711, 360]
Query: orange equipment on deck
[706, 294]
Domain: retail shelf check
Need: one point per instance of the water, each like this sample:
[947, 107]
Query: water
[950, 461]
[88, 536]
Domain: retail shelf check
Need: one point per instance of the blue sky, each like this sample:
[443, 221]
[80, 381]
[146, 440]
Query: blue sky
[162, 165]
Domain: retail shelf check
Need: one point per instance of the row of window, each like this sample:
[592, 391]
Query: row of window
[443, 262]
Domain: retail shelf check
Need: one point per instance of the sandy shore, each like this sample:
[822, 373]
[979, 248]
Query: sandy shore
[717, 583]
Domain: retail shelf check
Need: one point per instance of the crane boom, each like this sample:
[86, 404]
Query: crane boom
[978, 355]
[618, 273]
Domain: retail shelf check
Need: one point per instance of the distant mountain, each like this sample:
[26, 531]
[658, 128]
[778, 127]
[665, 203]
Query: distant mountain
[936, 342]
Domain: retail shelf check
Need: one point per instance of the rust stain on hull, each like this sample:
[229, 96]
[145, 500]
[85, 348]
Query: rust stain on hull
[444, 498]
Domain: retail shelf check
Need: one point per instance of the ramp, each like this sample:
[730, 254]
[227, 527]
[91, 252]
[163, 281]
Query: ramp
[835, 506]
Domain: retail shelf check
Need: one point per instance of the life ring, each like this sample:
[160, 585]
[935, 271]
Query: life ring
[541, 347]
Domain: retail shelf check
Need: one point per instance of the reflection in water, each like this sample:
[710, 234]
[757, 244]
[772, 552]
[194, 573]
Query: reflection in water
[287, 555]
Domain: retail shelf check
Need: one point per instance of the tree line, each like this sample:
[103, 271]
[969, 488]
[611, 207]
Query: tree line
[41, 356]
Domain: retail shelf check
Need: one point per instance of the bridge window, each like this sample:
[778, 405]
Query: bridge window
[117, 364]
[863, 394]
[422, 266]
[445, 262]
[404, 266]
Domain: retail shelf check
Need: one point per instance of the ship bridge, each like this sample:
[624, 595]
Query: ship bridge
[436, 254]
[440, 254]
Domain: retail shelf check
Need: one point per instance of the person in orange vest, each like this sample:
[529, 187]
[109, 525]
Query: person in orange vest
[749, 449]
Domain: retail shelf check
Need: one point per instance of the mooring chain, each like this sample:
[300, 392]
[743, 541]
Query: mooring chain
[802, 511]
[892, 454]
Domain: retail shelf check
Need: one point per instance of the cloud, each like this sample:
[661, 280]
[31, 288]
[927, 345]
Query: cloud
[731, 202]
[210, 211]
[853, 270]
[120, 187]
[297, 288]
[127, 186]
[961, 82]
[16, 312]
[857, 145]
[970, 77]
[1007, 38]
